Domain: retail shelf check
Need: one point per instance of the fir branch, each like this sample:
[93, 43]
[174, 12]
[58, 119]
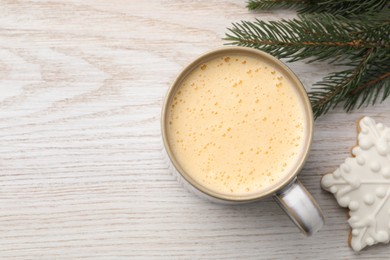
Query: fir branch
[344, 8]
[361, 85]
[317, 37]
[376, 83]
[335, 7]
[333, 89]
[371, 82]
[361, 40]
[369, 92]
[271, 4]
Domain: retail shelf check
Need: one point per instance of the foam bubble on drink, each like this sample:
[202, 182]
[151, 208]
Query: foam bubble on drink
[236, 125]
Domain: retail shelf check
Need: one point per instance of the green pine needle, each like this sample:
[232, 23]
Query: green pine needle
[362, 44]
[336, 86]
[335, 7]
[317, 38]
[271, 4]
[375, 87]
[345, 8]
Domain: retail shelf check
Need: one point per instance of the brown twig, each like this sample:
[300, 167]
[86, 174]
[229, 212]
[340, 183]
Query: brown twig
[355, 44]
[369, 83]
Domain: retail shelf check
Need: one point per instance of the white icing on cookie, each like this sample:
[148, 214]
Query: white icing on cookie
[362, 184]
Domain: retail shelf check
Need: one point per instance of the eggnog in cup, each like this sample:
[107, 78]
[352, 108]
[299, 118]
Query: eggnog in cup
[237, 126]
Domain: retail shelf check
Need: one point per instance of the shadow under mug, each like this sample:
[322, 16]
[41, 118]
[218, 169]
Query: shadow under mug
[290, 194]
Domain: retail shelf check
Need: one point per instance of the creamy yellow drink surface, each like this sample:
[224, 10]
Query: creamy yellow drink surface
[236, 125]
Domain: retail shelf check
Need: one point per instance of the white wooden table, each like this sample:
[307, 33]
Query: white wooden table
[82, 171]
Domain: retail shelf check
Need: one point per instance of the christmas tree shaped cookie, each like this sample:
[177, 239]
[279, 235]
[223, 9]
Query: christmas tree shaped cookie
[362, 184]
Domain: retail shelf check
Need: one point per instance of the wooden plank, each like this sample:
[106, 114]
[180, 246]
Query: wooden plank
[82, 169]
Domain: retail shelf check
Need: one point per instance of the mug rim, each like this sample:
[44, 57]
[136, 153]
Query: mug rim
[295, 82]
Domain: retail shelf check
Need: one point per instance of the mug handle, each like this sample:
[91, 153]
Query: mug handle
[301, 207]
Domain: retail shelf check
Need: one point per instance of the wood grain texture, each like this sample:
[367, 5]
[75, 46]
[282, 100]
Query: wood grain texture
[82, 169]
